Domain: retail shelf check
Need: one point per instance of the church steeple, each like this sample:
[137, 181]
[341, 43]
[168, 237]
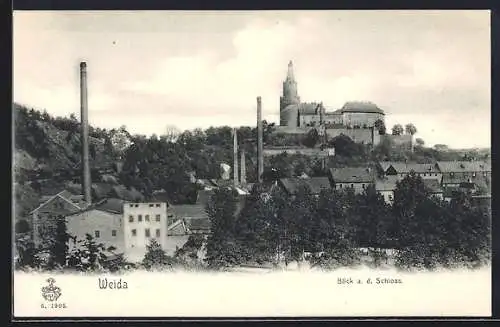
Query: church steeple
[290, 94]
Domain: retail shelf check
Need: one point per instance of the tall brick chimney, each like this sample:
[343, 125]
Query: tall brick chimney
[84, 112]
[235, 157]
[260, 147]
[243, 169]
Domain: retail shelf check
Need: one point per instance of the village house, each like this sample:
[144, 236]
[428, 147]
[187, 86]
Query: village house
[462, 174]
[44, 217]
[103, 221]
[434, 188]
[402, 169]
[142, 223]
[386, 186]
[314, 184]
[357, 178]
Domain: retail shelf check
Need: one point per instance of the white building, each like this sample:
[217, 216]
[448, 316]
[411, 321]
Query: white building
[142, 223]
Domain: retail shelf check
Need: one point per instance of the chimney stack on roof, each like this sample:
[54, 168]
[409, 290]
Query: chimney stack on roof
[86, 182]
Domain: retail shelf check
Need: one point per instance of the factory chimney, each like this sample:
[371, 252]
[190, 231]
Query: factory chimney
[243, 170]
[260, 157]
[235, 158]
[84, 110]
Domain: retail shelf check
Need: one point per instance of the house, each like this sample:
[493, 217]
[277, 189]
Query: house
[434, 188]
[386, 186]
[402, 169]
[44, 217]
[315, 184]
[460, 173]
[194, 219]
[357, 178]
[144, 222]
[103, 221]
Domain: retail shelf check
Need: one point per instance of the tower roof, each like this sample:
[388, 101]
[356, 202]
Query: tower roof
[289, 75]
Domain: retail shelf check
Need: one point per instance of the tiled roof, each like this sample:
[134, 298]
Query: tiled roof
[190, 211]
[304, 108]
[111, 205]
[352, 175]
[458, 178]
[402, 167]
[432, 185]
[361, 106]
[386, 184]
[315, 184]
[197, 224]
[464, 166]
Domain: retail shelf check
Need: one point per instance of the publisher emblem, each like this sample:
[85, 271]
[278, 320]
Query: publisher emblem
[51, 293]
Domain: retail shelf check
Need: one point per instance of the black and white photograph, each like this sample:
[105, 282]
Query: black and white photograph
[251, 163]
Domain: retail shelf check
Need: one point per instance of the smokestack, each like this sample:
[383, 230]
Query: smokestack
[243, 173]
[235, 158]
[260, 157]
[84, 110]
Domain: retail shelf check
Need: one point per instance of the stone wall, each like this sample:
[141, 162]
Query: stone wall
[361, 135]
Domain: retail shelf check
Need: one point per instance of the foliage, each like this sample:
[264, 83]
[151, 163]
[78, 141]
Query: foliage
[87, 254]
[311, 139]
[410, 129]
[380, 126]
[397, 129]
[155, 257]
[222, 249]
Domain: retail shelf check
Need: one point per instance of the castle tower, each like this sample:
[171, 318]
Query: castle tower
[290, 95]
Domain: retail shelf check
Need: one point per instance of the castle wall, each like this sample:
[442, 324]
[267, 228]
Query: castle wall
[405, 140]
[361, 118]
[358, 135]
[312, 152]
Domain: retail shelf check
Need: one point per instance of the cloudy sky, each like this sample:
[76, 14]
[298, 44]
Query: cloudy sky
[148, 70]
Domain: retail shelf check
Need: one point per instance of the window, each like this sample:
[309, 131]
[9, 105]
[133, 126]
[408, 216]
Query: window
[157, 233]
[130, 219]
[157, 217]
[425, 174]
[113, 232]
[151, 205]
[390, 197]
[352, 185]
[137, 206]
[340, 185]
[363, 186]
[134, 232]
[139, 218]
[147, 233]
[97, 233]
[131, 205]
[157, 205]
[146, 217]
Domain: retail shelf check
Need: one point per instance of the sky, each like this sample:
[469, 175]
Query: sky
[149, 70]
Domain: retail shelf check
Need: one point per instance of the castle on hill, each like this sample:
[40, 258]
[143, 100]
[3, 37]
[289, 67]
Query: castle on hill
[356, 119]
[295, 113]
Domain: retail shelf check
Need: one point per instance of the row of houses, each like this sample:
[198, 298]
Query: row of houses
[442, 179]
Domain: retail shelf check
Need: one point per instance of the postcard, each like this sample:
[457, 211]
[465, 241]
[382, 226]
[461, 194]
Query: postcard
[251, 164]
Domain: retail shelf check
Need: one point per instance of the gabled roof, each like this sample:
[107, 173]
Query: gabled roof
[464, 166]
[189, 211]
[402, 167]
[315, 184]
[197, 225]
[352, 175]
[110, 205]
[64, 195]
[361, 106]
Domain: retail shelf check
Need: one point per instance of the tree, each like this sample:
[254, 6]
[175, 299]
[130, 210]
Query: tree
[410, 129]
[420, 142]
[87, 254]
[380, 126]
[397, 129]
[59, 248]
[155, 257]
[311, 138]
[222, 251]
[171, 133]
